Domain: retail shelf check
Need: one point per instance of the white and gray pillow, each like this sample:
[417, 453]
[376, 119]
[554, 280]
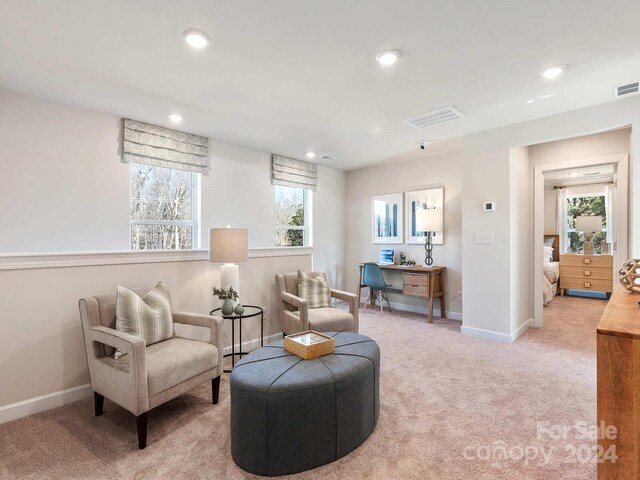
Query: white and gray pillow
[148, 317]
[315, 291]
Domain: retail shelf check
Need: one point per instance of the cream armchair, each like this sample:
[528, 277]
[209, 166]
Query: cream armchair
[296, 316]
[146, 376]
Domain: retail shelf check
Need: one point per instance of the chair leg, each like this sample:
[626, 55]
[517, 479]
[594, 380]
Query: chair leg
[141, 423]
[388, 304]
[215, 389]
[381, 307]
[98, 400]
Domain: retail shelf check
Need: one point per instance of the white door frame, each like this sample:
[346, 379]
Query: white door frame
[621, 202]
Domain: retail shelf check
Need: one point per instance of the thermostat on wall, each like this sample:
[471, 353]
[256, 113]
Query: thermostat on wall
[488, 206]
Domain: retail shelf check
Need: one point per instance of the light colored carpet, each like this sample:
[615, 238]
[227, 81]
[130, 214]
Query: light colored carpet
[445, 399]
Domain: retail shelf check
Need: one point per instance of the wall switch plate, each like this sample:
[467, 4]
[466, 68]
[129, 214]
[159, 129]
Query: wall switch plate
[484, 238]
[489, 206]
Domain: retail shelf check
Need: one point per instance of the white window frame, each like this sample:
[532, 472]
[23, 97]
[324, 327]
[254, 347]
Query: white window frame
[194, 223]
[307, 228]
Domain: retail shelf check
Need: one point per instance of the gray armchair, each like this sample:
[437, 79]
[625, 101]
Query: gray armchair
[146, 376]
[296, 316]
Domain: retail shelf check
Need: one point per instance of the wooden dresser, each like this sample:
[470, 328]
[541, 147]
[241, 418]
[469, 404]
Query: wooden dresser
[619, 387]
[586, 272]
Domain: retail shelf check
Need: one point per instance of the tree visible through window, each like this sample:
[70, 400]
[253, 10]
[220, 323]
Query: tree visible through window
[161, 208]
[585, 205]
[291, 217]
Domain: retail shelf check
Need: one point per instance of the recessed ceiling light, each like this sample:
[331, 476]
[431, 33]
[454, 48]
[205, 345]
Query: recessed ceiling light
[175, 118]
[574, 174]
[531, 100]
[196, 38]
[553, 72]
[545, 96]
[310, 154]
[388, 57]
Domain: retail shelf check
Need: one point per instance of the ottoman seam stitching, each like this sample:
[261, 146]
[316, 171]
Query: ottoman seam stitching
[278, 377]
[262, 360]
[335, 402]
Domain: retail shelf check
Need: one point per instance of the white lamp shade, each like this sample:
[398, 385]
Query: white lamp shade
[429, 219]
[228, 245]
[589, 223]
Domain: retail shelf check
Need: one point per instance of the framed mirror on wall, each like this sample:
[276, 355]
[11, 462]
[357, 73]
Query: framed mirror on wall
[433, 198]
[386, 219]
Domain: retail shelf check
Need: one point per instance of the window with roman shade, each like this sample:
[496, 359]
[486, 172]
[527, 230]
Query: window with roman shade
[148, 144]
[289, 172]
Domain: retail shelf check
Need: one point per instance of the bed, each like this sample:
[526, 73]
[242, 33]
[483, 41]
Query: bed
[551, 268]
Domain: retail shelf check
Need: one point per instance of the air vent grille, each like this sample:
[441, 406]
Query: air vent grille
[442, 115]
[628, 89]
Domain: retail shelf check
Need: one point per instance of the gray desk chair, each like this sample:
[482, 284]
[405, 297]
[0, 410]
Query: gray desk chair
[377, 286]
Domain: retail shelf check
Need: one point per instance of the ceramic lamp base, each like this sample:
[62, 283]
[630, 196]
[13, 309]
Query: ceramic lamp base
[230, 276]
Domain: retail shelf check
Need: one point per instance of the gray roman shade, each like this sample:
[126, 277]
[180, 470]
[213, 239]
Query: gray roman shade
[293, 173]
[162, 147]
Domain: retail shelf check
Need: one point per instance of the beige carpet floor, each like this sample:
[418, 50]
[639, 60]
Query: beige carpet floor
[446, 399]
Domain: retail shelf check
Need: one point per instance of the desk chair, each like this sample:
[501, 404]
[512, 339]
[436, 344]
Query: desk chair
[377, 286]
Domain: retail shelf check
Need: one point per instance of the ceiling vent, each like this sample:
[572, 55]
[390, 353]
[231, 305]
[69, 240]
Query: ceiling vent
[443, 115]
[327, 157]
[625, 90]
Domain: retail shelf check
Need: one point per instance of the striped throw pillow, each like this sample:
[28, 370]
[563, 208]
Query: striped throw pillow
[315, 291]
[148, 317]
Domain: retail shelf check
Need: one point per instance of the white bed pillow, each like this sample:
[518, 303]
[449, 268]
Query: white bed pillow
[548, 254]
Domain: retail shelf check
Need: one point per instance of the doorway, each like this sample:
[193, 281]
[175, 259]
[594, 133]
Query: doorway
[582, 195]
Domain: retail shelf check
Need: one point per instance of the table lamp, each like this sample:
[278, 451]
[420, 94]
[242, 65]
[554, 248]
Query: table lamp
[429, 221]
[229, 245]
[588, 224]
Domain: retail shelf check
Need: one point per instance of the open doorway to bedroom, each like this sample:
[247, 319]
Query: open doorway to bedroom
[580, 221]
[579, 208]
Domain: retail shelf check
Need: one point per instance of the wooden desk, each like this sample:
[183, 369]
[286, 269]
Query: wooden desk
[619, 385]
[420, 282]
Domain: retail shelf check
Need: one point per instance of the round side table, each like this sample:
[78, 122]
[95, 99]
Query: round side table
[250, 311]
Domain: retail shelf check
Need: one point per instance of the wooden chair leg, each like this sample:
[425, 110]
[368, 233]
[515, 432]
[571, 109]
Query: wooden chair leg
[215, 389]
[98, 401]
[388, 304]
[141, 424]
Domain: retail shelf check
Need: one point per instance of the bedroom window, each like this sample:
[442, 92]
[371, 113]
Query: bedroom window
[585, 205]
[293, 217]
[162, 208]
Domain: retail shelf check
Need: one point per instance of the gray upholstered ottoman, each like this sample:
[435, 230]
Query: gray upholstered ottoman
[290, 415]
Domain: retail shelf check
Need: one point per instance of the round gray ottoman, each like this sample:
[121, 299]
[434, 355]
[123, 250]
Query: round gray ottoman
[290, 414]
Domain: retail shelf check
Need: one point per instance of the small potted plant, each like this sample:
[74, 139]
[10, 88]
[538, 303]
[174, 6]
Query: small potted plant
[228, 296]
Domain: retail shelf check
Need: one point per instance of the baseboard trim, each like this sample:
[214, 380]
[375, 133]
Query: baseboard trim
[521, 329]
[418, 309]
[486, 334]
[45, 402]
[253, 343]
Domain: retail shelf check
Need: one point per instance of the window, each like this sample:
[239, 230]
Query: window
[585, 204]
[293, 217]
[162, 208]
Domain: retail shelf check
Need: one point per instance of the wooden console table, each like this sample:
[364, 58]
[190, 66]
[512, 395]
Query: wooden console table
[420, 282]
[618, 346]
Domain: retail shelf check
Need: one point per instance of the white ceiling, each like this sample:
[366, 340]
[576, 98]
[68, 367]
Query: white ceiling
[582, 175]
[292, 76]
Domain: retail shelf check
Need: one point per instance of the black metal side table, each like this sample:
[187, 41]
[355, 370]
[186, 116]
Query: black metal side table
[250, 311]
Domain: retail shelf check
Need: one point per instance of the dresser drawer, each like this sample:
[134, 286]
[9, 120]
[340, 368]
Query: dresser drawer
[584, 260]
[415, 290]
[583, 284]
[411, 279]
[586, 272]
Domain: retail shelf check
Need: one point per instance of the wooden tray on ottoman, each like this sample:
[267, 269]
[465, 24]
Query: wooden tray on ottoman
[309, 344]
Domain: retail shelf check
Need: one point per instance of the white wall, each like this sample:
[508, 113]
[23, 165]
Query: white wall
[65, 189]
[443, 170]
[486, 176]
[550, 224]
[41, 346]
